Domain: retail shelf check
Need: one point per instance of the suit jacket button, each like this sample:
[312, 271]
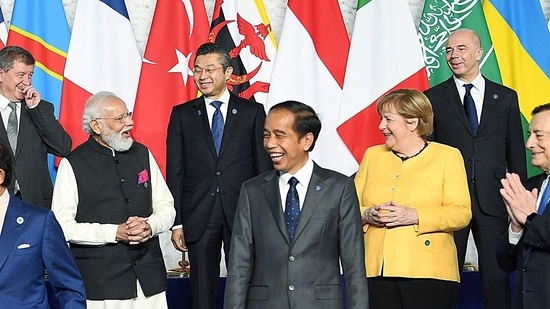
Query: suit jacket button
[427, 243]
[123, 180]
[218, 173]
[291, 288]
[212, 194]
[291, 258]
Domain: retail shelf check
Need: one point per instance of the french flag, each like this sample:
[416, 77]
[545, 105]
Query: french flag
[103, 56]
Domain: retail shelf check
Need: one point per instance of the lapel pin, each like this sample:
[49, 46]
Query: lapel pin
[495, 96]
[234, 111]
[199, 112]
[19, 220]
[317, 188]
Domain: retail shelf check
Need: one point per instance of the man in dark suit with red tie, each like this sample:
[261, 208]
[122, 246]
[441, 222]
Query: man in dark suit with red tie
[481, 119]
[214, 144]
[526, 245]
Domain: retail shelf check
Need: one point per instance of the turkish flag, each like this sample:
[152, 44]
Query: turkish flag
[178, 29]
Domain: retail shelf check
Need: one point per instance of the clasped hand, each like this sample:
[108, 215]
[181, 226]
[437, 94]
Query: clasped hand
[134, 231]
[390, 214]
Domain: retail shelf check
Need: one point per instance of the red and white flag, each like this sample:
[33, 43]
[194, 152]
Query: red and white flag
[384, 55]
[310, 68]
[242, 28]
[3, 31]
[103, 56]
[178, 29]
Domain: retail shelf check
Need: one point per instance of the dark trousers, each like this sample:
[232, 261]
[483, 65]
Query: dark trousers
[205, 257]
[409, 293]
[487, 230]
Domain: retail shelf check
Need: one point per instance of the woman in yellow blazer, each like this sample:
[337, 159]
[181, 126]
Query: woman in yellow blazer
[413, 195]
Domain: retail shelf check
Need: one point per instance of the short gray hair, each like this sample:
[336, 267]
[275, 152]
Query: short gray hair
[93, 109]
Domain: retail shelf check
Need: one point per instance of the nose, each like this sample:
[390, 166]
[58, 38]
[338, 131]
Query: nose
[382, 124]
[531, 141]
[269, 142]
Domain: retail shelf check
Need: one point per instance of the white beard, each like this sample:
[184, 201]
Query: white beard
[115, 140]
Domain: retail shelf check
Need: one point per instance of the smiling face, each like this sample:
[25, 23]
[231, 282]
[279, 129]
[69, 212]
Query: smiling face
[539, 140]
[397, 129]
[463, 54]
[114, 126]
[210, 77]
[15, 80]
[288, 151]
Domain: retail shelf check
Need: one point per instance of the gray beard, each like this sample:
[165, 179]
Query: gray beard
[116, 141]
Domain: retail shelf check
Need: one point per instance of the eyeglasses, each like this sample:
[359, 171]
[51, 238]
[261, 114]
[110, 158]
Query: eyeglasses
[208, 71]
[120, 118]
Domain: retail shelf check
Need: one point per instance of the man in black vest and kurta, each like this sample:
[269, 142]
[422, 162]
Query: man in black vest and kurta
[111, 201]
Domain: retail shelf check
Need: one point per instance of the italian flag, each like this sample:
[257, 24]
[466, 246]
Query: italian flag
[385, 54]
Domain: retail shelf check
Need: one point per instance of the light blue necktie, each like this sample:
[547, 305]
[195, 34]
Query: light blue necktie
[545, 198]
[217, 125]
[292, 208]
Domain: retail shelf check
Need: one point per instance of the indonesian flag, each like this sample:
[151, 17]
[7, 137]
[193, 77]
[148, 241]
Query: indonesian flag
[178, 29]
[310, 68]
[242, 28]
[385, 54]
[103, 56]
[3, 31]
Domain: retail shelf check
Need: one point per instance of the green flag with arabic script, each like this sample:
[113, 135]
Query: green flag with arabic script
[442, 17]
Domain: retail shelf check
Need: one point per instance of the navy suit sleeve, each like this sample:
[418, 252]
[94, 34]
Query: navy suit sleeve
[515, 152]
[175, 162]
[62, 270]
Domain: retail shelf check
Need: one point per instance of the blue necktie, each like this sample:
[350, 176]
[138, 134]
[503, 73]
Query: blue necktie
[292, 208]
[470, 108]
[545, 198]
[217, 126]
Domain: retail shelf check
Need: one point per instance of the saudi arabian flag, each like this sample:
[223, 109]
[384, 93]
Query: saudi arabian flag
[439, 19]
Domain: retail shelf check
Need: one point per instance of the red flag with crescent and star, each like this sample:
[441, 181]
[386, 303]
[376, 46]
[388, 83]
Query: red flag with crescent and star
[178, 29]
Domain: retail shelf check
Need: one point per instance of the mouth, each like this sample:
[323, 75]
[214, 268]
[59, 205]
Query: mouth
[276, 157]
[126, 133]
[535, 154]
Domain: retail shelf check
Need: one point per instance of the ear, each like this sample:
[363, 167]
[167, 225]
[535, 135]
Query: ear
[479, 53]
[307, 141]
[412, 124]
[96, 126]
[228, 73]
[2, 177]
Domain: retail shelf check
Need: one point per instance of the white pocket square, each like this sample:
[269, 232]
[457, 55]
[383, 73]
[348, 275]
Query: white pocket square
[24, 246]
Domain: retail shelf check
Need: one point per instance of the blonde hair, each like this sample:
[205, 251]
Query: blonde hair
[410, 103]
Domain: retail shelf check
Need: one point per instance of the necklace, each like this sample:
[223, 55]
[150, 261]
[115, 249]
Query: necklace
[405, 158]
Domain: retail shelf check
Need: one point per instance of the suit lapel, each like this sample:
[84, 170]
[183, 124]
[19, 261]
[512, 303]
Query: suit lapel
[231, 121]
[24, 124]
[315, 192]
[13, 225]
[490, 102]
[271, 192]
[455, 102]
[203, 125]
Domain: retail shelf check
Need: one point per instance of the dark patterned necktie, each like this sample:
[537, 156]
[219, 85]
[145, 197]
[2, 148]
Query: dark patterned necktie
[217, 125]
[470, 108]
[12, 129]
[292, 208]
